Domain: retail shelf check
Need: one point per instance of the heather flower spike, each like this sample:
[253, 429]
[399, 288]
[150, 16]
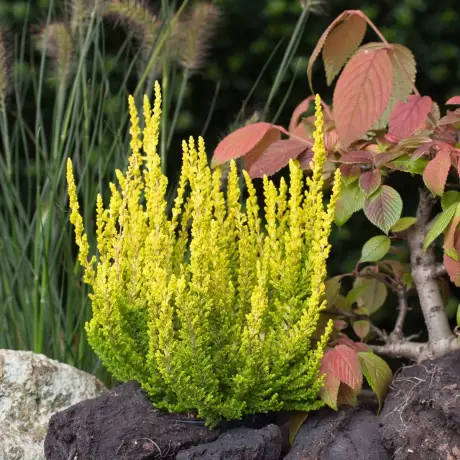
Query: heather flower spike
[211, 310]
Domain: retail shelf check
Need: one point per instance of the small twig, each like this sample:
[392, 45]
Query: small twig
[381, 333]
[403, 308]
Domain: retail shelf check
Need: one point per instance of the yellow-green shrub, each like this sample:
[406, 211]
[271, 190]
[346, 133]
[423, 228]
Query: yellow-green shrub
[208, 310]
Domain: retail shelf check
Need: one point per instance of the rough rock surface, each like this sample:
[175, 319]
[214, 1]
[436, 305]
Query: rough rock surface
[240, 444]
[32, 388]
[349, 434]
[121, 424]
[421, 416]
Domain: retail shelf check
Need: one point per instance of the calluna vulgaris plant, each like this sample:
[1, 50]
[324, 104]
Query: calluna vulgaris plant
[207, 309]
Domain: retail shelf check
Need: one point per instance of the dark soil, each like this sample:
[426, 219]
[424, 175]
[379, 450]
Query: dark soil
[121, 424]
[420, 421]
[421, 416]
[239, 444]
[349, 434]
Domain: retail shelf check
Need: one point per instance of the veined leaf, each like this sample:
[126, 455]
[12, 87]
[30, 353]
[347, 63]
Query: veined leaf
[437, 170]
[246, 140]
[375, 248]
[384, 208]
[378, 374]
[357, 157]
[370, 181]
[404, 72]
[362, 94]
[439, 225]
[341, 43]
[351, 200]
[276, 156]
[343, 363]
[409, 116]
[319, 45]
[403, 224]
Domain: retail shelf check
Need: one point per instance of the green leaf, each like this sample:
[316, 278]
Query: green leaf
[375, 249]
[403, 224]
[373, 293]
[354, 294]
[332, 290]
[351, 200]
[295, 422]
[451, 308]
[384, 208]
[439, 225]
[458, 315]
[377, 372]
[362, 328]
[452, 253]
[450, 198]
[409, 164]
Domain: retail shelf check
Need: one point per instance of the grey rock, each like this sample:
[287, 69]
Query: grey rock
[32, 389]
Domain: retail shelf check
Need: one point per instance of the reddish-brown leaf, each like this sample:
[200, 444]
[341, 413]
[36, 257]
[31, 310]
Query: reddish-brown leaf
[299, 110]
[424, 149]
[370, 181]
[452, 250]
[455, 100]
[305, 159]
[437, 170]
[356, 346]
[330, 389]
[404, 71]
[341, 43]
[343, 363]
[357, 157]
[452, 116]
[253, 155]
[346, 395]
[453, 269]
[320, 44]
[276, 156]
[244, 140]
[362, 93]
[408, 117]
[340, 324]
[384, 208]
[350, 173]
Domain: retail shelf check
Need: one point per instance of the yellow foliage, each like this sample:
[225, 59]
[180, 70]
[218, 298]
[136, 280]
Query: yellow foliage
[210, 306]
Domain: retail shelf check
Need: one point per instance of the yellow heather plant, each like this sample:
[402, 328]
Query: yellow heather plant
[209, 309]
